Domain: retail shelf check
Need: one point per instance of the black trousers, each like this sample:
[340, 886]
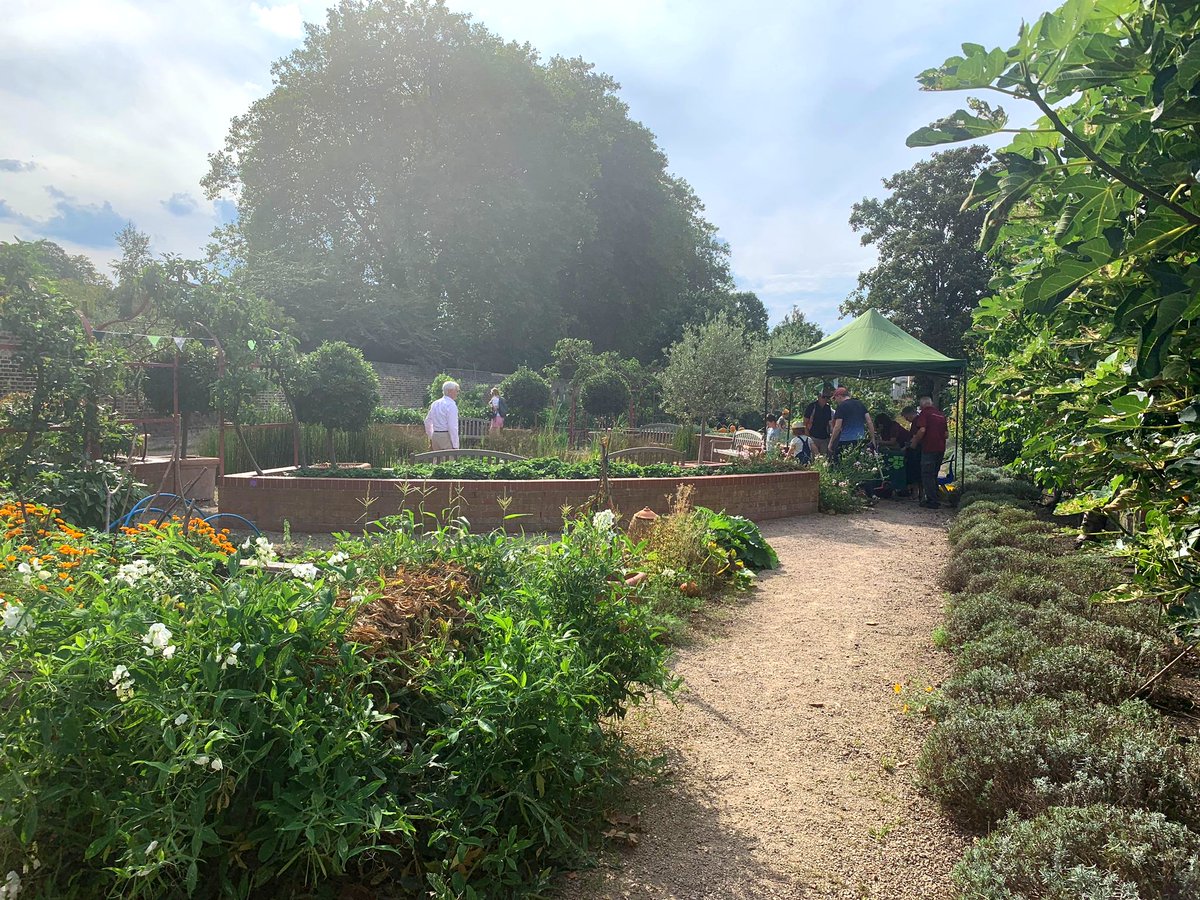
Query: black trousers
[930, 464]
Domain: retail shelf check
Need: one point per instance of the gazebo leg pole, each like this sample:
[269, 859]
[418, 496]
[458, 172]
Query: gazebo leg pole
[766, 401]
[962, 429]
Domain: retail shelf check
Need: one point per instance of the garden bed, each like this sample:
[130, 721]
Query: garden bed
[316, 504]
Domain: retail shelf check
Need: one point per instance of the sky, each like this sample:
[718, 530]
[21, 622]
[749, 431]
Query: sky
[780, 113]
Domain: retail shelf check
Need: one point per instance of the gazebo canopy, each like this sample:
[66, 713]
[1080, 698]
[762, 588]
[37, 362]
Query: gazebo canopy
[869, 347]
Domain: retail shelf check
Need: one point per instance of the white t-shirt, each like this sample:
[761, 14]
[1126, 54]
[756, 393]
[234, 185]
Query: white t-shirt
[798, 444]
[494, 402]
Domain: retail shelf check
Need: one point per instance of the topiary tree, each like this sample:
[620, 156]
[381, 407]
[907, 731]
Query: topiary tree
[337, 388]
[714, 369]
[527, 394]
[197, 378]
[605, 395]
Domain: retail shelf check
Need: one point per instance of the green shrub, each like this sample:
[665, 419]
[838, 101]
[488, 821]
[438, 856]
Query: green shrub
[396, 415]
[217, 753]
[972, 496]
[1005, 643]
[969, 615]
[94, 496]
[1035, 590]
[981, 763]
[1091, 852]
[181, 723]
[979, 570]
[605, 395]
[1084, 574]
[990, 560]
[1009, 635]
[435, 386]
[1013, 488]
[1096, 675]
[336, 387]
[979, 513]
[527, 395]
[982, 508]
[836, 490]
[1034, 536]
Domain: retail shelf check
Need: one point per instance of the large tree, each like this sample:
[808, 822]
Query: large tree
[930, 273]
[417, 186]
[794, 333]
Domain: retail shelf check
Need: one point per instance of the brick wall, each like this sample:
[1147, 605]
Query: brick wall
[12, 379]
[340, 504]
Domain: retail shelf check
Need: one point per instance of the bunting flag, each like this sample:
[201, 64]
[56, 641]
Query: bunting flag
[153, 339]
[252, 344]
[179, 342]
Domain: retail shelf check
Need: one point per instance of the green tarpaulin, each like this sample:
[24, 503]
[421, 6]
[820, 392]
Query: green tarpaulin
[869, 347]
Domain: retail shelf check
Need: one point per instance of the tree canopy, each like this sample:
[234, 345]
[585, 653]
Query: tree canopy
[931, 272]
[422, 189]
[712, 371]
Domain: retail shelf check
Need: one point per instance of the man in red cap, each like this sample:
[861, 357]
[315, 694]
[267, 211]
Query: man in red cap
[929, 435]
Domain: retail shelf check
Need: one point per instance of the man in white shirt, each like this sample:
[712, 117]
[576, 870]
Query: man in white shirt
[441, 422]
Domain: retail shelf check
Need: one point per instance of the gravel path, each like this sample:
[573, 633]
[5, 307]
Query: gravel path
[792, 760]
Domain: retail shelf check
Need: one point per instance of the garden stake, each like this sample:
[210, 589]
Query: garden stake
[1163, 671]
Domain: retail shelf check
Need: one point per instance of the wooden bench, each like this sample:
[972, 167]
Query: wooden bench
[646, 455]
[659, 432]
[439, 456]
[472, 431]
[745, 443]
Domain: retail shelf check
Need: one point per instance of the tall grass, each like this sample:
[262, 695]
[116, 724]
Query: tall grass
[378, 445]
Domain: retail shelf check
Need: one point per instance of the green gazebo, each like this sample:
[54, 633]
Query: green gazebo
[872, 347]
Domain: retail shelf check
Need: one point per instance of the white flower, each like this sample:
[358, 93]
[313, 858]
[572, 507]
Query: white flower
[122, 683]
[305, 571]
[604, 520]
[338, 558]
[229, 658]
[181, 719]
[11, 886]
[201, 760]
[133, 572]
[32, 864]
[151, 847]
[17, 618]
[32, 568]
[669, 573]
[216, 765]
[261, 551]
[158, 638]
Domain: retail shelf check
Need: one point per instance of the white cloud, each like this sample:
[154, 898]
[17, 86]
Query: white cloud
[781, 115]
[283, 19]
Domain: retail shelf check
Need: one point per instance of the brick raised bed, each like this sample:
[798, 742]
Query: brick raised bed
[337, 504]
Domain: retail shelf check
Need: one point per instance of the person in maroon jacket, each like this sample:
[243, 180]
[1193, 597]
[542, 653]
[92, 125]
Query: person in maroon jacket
[930, 437]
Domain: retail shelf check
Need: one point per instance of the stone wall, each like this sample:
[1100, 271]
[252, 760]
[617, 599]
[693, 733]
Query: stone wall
[336, 504]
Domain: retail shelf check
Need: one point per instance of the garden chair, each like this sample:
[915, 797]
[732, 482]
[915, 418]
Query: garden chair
[646, 455]
[746, 443]
[440, 456]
